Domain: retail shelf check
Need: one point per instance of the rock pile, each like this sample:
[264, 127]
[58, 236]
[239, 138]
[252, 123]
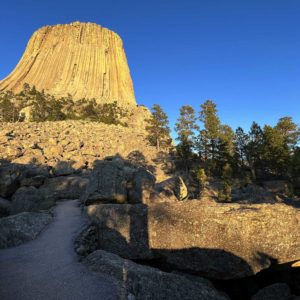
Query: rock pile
[68, 146]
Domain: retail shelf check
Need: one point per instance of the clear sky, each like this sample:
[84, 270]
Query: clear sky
[242, 54]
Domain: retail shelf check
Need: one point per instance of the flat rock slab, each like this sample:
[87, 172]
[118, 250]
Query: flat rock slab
[48, 268]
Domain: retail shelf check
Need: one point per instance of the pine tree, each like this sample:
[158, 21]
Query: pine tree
[208, 115]
[158, 127]
[201, 179]
[275, 152]
[254, 149]
[224, 148]
[289, 130]
[185, 128]
[241, 140]
[226, 184]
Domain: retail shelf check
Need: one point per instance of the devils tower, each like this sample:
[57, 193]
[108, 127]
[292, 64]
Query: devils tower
[81, 59]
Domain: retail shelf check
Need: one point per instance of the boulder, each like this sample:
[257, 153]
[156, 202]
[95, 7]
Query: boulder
[63, 168]
[222, 241]
[115, 181]
[30, 199]
[53, 151]
[107, 183]
[21, 228]
[141, 186]
[142, 282]
[35, 181]
[64, 187]
[30, 156]
[122, 229]
[5, 207]
[10, 175]
[276, 291]
[172, 189]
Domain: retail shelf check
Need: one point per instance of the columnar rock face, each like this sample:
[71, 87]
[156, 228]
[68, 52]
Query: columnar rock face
[81, 59]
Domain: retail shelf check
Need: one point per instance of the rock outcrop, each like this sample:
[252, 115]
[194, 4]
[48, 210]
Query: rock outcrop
[221, 241]
[146, 283]
[81, 59]
[21, 228]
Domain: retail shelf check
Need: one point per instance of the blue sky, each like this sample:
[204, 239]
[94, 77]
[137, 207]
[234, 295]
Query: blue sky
[243, 54]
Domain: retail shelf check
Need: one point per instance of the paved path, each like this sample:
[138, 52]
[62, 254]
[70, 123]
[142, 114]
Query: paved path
[48, 268]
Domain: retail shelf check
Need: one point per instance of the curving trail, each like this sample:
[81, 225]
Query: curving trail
[47, 268]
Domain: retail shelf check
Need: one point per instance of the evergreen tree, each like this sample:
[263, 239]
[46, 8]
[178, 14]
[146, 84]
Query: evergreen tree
[289, 130]
[296, 163]
[275, 152]
[158, 127]
[226, 184]
[254, 149]
[201, 179]
[208, 115]
[241, 140]
[202, 145]
[224, 148]
[185, 128]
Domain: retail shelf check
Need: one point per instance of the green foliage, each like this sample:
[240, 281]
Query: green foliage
[275, 151]
[289, 131]
[224, 193]
[296, 162]
[185, 128]
[241, 140]
[186, 124]
[110, 113]
[201, 179]
[43, 107]
[158, 127]
[8, 112]
[208, 116]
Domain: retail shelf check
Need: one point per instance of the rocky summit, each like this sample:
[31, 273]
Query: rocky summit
[84, 60]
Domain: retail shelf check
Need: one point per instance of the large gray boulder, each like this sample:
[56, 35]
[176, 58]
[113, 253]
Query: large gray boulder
[146, 283]
[122, 229]
[141, 186]
[115, 181]
[221, 241]
[21, 228]
[29, 199]
[10, 175]
[108, 182]
[172, 189]
[64, 187]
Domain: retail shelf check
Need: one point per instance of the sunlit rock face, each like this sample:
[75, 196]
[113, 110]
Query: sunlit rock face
[81, 59]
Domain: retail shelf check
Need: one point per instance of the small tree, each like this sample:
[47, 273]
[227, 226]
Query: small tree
[202, 180]
[158, 127]
[224, 193]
